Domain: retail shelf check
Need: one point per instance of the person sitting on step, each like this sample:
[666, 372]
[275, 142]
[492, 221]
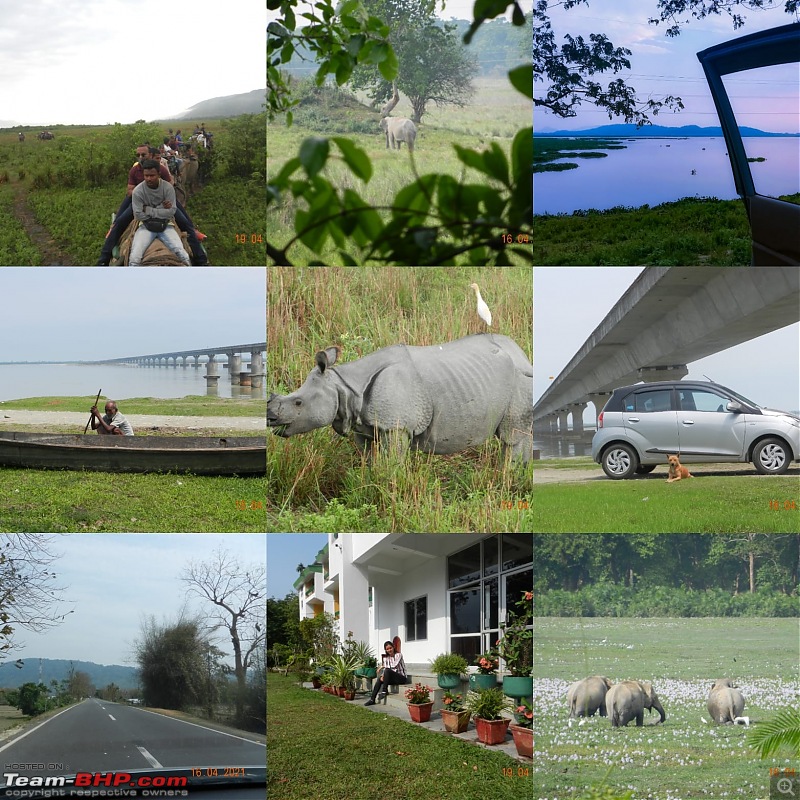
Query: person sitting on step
[392, 673]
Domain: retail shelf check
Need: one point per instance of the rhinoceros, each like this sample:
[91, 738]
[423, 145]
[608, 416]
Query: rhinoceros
[441, 399]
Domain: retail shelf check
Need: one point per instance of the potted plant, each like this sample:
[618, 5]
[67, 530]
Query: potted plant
[350, 688]
[486, 706]
[448, 668]
[486, 676]
[419, 702]
[343, 672]
[364, 655]
[454, 716]
[516, 649]
[522, 729]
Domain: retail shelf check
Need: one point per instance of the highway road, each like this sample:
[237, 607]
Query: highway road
[98, 736]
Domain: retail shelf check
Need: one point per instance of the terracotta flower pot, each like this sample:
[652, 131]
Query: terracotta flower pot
[523, 739]
[420, 712]
[455, 721]
[491, 731]
[350, 695]
[340, 691]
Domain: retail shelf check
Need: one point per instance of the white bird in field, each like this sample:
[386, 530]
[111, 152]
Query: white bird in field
[483, 309]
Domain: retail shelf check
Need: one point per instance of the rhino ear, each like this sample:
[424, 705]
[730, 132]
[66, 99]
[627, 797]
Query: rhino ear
[326, 358]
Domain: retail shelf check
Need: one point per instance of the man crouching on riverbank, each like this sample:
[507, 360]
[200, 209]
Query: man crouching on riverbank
[153, 202]
[111, 422]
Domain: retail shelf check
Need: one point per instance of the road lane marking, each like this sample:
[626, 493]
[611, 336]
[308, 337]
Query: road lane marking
[28, 733]
[150, 760]
[112, 718]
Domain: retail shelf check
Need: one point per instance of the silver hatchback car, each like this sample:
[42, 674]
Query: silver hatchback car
[701, 422]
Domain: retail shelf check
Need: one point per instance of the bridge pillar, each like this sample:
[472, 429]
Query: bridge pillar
[577, 416]
[256, 369]
[666, 373]
[196, 364]
[211, 372]
[563, 413]
[598, 400]
[234, 367]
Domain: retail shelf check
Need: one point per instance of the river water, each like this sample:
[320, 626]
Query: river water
[653, 171]
[117, 381]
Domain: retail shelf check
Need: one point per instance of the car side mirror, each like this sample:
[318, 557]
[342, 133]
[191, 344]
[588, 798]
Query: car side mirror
[734, 406]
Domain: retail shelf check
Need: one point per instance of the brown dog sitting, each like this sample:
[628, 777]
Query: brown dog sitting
[676, 471]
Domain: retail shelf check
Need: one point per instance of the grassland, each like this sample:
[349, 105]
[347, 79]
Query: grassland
[496, 114]
[317, 481]
[725, 504]
[57, 196]
[546, 151]
[321, 747]
[684, 758]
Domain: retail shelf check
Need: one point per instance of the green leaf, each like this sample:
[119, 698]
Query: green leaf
[313, 154]
[355, 45]
[388, 67]
[416, 196]
[469, 157]
[344, 69]
[522, 79]
[495, 163]
[355, 157]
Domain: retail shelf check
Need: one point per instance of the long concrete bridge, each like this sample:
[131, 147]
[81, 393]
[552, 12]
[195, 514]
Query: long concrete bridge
[668, 318]
[253, 377]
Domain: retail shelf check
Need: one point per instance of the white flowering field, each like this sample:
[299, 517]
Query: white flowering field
[685, 758]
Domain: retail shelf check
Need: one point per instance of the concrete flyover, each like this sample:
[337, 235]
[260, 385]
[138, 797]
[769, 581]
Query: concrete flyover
[253, 377]
[668, 318]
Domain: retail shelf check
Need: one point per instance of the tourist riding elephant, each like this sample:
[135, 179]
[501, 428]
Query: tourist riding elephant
[588, 696]
[725, 701]
[398, 130]
[627, 700]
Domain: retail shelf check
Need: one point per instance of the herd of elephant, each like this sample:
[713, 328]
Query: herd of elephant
[627, 700]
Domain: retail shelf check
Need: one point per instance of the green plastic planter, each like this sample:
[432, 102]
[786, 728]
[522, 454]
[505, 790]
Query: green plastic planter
[447, 681]
[518, 686]
[478, 682]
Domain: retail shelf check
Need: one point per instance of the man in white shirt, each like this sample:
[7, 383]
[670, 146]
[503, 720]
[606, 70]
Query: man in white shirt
[111, 422]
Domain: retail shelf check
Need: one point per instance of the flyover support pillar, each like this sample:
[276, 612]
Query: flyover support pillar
[256, 369]
[234, 367]
[577, 416]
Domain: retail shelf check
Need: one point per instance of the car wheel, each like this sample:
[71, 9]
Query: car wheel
[620, 461]
[771, 457]
[645, 469]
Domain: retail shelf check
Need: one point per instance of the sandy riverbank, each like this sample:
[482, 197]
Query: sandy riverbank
[11, 417]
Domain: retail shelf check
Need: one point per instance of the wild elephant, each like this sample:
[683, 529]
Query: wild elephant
[187, 183]
[588, 696]
[725, 701]
[627, 700]
[438, 399]
[398, 130]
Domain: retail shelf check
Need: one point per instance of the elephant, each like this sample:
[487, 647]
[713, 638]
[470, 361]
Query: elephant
[398, 130]
[187, 183]
[588, 696]
[628, 700]
[725, 701]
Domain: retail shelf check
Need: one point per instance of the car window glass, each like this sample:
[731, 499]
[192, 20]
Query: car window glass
[649, 402]
[700, 400]
[767, 100]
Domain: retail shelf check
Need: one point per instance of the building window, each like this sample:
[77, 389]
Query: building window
[517, 550]
[464, 567]
[416, 619]
[465, 611]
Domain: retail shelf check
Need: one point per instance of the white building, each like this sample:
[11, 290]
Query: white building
[437, 592]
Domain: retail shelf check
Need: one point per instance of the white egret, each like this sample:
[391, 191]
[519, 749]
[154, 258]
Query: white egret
[483, 309]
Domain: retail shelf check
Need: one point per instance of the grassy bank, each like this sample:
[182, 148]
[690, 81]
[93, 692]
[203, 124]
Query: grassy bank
[684, 758]
[321, 747]
[549, 152]
[703, 505]
[59, 501]
[189, 406]
[687, 232]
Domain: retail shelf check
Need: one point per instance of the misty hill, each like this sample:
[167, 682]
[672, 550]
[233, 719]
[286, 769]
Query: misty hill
[230, 105]
[631, 131]
[58, 669]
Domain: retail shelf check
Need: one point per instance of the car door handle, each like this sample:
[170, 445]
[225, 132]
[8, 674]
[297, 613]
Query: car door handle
[688, 421]
[633, 419]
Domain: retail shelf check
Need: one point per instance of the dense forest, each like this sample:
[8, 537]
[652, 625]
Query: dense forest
[666, 574]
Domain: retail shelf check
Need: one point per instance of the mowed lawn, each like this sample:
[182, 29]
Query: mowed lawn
[685, 758]
[324, 748]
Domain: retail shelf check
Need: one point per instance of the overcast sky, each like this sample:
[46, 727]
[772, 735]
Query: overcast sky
[662, 66]
[105, 61]
[284, 552]
[570, 302]
[89, 313]
[112, 580]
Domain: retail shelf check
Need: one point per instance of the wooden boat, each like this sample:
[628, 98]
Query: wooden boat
[200, 455]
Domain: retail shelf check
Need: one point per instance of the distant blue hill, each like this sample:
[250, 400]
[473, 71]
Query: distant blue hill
[631, 131]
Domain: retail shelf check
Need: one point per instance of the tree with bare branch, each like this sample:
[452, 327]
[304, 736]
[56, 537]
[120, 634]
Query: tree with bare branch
[29, 590]
[239, 593]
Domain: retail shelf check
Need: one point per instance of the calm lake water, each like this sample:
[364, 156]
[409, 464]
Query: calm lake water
[653, 171]
[117, 382]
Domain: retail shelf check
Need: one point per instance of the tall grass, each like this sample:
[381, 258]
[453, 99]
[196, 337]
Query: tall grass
[363, 310]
